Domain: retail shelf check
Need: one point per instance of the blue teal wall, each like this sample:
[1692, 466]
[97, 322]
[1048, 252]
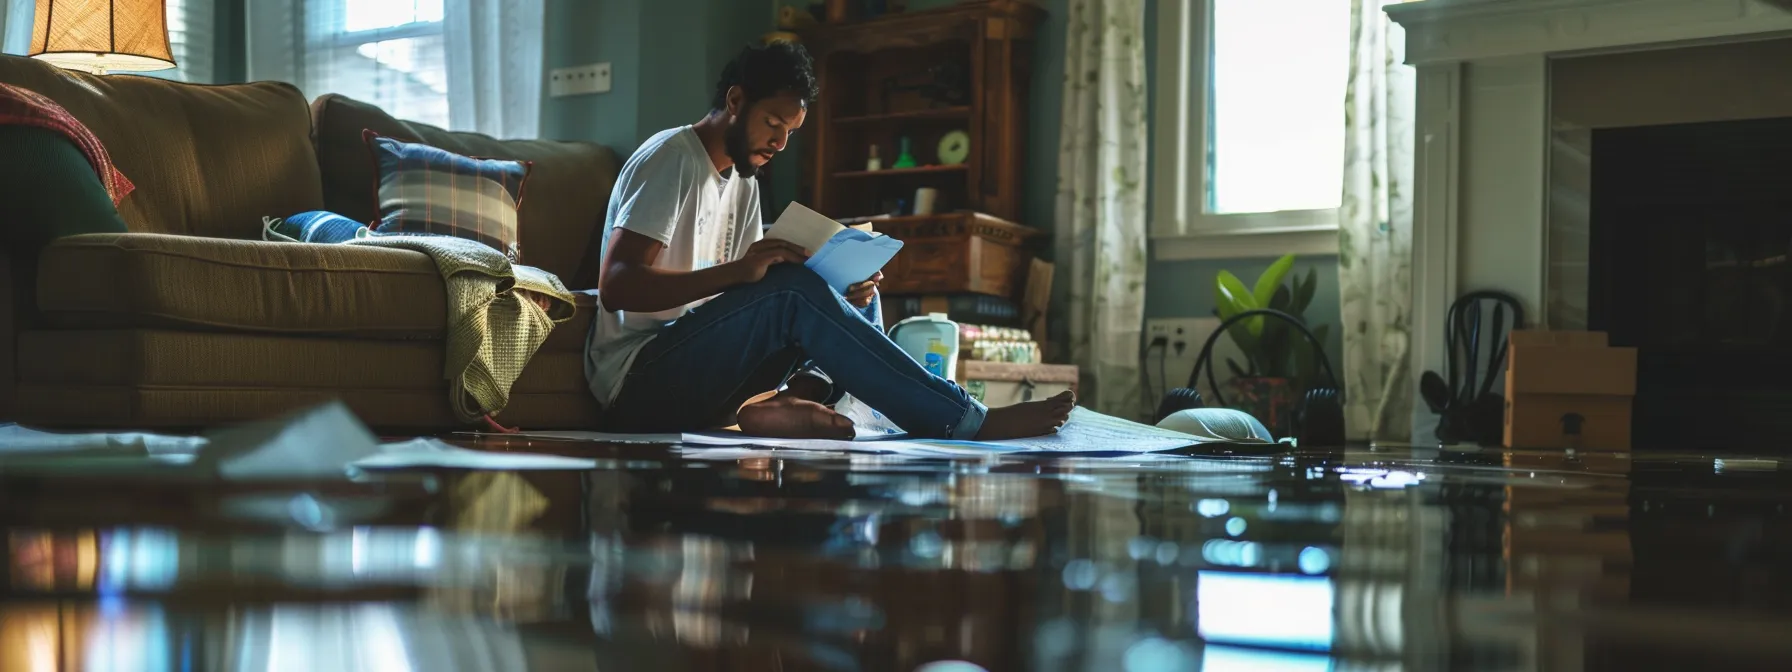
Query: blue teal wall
[595, 31]
[664, 58]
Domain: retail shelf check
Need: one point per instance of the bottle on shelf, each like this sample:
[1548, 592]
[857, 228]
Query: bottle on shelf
[904, 159]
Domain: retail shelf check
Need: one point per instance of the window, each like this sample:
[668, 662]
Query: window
[1249, 153]
[191, 37]
[388, 53]
[466, 65]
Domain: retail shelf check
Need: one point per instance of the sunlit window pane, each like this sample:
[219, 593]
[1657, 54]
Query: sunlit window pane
[377, 14]
[1277, 104]
[407, 77]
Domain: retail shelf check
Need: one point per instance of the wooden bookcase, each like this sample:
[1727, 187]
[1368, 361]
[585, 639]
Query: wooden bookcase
[921, 75]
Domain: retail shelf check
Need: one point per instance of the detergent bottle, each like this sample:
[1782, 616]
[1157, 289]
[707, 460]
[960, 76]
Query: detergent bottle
[931, 340]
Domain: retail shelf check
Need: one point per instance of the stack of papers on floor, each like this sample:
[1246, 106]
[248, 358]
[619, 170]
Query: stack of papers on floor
[1088, 433]
[327, 442]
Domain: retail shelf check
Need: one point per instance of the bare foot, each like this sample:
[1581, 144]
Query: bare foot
[787, 417]
[1033, 418]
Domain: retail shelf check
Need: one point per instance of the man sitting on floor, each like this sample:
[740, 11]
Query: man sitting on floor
[702, 321]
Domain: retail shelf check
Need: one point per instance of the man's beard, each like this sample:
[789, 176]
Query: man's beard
[735, 141]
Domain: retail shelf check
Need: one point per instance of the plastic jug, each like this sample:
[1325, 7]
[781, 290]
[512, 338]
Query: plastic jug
[931, 340]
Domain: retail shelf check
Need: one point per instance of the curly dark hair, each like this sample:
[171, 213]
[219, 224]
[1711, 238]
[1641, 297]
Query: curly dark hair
[765, 70]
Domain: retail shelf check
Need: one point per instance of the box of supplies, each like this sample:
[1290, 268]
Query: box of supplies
[1568, 389]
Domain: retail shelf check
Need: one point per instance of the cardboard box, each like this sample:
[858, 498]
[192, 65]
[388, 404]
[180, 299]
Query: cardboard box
[1568, 389]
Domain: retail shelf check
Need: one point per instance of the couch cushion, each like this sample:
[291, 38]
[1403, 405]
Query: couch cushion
[176, 359]
[198, 409]
[391, 411]
[569, 182]
[149, 378]
[150, 280]
[569, 336]
[206, 160]
[157, 358]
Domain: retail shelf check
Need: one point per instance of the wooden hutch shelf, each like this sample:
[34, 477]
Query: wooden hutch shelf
[962, 112]
[915, 77]
[899, 172]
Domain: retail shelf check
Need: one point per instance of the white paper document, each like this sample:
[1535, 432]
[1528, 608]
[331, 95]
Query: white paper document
[866, 421]
[418, 453]
[325, 442]
[16, 441]
[718, 440]
[840, 255]
[1087, 432]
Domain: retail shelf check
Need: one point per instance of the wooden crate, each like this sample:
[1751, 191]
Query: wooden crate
[957, 252]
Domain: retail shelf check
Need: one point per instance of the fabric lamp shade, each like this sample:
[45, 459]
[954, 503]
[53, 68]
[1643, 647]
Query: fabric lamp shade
[101, 36]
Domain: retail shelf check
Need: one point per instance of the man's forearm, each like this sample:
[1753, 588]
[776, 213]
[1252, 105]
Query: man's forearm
[645, 289]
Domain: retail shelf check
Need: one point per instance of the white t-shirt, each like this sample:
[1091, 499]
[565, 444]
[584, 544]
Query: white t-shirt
[668, 191]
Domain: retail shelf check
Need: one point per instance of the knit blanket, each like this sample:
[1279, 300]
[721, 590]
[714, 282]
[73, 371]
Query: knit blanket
[493, 329]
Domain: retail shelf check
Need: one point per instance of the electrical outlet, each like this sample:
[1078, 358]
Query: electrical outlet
[1183, 338]
[579, 80]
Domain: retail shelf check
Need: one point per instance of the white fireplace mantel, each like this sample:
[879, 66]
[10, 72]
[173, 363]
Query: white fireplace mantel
[1465, 30]
[1482, 134]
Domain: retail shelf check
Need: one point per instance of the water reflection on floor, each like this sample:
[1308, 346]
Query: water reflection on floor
[1392, 559]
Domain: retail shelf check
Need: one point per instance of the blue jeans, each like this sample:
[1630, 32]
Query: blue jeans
[695, 374]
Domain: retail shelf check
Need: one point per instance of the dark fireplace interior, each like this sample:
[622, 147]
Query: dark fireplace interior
[1691, 226]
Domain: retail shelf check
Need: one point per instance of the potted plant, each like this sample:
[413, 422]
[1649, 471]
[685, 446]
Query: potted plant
[1279, 363]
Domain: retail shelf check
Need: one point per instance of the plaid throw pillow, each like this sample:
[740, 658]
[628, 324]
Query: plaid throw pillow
[426, 190]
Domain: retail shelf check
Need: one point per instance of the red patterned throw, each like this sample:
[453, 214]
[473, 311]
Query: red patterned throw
[24, 107]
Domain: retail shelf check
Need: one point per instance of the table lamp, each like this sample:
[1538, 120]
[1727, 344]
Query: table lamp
[101, 36]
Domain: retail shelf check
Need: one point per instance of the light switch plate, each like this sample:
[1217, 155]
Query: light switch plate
[579, 80]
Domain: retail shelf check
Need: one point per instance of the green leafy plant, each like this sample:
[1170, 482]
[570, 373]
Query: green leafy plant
[1272, 348]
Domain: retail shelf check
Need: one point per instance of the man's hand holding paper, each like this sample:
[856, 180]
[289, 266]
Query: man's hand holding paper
[844, 257]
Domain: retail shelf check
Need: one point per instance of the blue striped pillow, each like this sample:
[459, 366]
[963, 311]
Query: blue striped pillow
[431, 191]
[314, 226]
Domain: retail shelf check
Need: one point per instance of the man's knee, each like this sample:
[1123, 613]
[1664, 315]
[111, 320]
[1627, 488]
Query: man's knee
[797, 277]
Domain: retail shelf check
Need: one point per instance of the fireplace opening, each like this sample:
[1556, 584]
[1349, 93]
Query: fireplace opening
[1690, 231]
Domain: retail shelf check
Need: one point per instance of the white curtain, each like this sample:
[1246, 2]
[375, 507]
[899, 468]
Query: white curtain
[467, 65]
[192, 33]
[1375, 228]
[495, 66]
[15, 26]
[1100, 221]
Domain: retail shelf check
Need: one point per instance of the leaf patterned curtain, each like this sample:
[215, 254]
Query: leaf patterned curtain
[1100, 225]
[1375, 227]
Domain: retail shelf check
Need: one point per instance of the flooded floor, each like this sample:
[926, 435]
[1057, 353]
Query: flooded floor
[671, 559]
